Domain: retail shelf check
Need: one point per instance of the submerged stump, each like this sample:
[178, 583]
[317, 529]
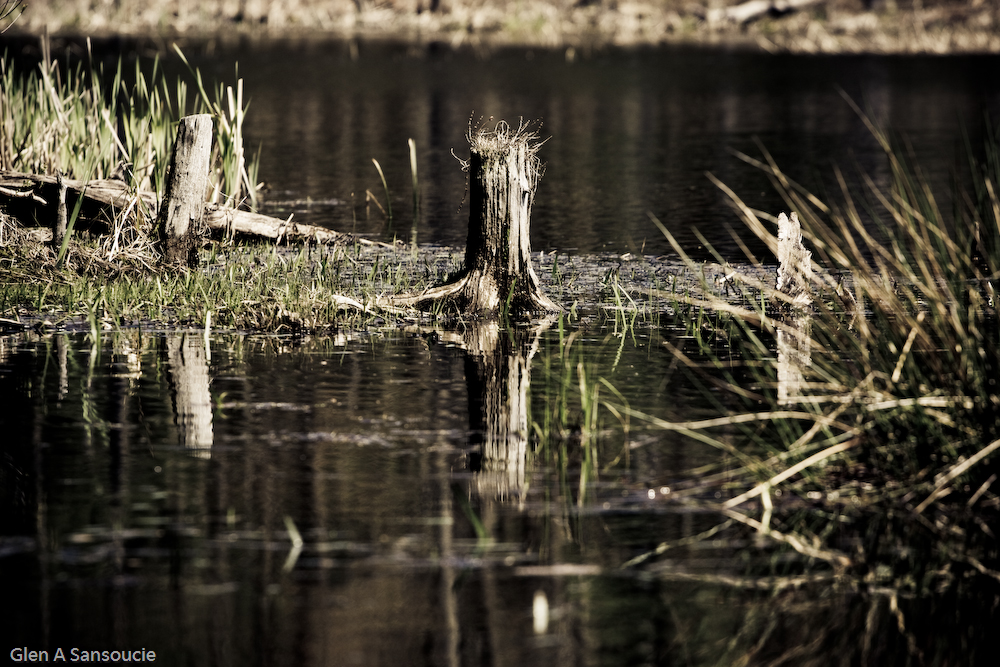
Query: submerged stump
[180, 215]
[497, 276]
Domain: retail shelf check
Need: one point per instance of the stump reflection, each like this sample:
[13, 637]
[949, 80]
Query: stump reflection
[794, 356]
[498, 373]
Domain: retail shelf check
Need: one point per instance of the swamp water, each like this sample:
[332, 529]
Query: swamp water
[412, 495]
[393, 497]
[628, 132]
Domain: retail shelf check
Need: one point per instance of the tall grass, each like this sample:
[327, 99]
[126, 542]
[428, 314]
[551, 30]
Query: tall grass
[895, 416]
[92, 123]
[579, 424]
[385, 186]
[10, 11]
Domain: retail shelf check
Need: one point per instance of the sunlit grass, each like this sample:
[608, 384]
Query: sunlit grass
[89, 123]
[254, 287]
[877, 402]
[577, 421]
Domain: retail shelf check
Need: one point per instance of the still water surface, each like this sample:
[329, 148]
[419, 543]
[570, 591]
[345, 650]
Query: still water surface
[439, 497]
[402, 497]
[387, 498]
[629, 131]
[149, 486]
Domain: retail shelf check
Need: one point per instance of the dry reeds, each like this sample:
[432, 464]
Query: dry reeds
[10, 11]
[895, 405]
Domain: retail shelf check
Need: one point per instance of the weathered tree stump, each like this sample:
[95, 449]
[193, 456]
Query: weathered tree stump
[497, 276]
[183, 205]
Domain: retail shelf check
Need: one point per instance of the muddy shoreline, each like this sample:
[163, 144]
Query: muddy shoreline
[834, 26]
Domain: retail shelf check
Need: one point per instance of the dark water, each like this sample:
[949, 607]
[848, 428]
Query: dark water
[454, 502]
[454, 505]
[147, 487]
[629, 131]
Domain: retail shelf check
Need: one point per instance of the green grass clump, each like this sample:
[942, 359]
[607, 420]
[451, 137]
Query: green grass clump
[903, 335]
[250, 287]
[92, 124]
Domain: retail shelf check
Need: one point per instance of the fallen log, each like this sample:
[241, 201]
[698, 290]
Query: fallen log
[40, 190]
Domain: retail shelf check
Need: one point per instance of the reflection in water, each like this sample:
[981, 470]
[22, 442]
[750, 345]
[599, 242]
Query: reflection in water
[794, 357]
[188, 366]
[499, 374]
[115, 532]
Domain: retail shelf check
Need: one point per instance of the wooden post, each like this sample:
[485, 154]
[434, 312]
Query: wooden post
[794, 261]
[794, 340]
[497, 277]
[184, 198]
[59, 231]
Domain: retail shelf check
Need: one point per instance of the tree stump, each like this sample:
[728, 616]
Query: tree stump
[497, 277]
[180, 215]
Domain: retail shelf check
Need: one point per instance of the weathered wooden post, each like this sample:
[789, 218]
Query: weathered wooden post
[795, 281]
[184, 196]
[61, 224]
[794, 261]
[497, 276]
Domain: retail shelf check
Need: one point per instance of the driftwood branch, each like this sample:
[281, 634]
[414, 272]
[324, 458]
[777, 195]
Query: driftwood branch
[116, 195]
[20, 194]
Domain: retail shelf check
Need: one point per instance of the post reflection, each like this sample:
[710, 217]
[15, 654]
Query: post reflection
[187, 362]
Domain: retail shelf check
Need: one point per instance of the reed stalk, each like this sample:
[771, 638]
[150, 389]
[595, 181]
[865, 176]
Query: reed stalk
[416, 185]
[385, 186]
